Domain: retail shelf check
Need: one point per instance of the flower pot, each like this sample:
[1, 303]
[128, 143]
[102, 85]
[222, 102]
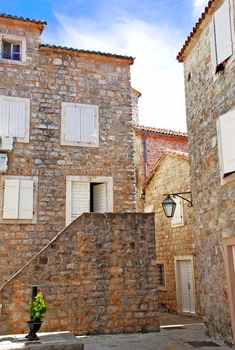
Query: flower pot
[34, 326]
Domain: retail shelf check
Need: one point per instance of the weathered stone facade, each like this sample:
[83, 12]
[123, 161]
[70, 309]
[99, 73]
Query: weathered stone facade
[48, 77]
[208, 96]
[98, 276]
[150, 144]
[171, 174]
[135, 109]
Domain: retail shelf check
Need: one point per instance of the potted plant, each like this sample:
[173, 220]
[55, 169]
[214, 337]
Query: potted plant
[37, 310]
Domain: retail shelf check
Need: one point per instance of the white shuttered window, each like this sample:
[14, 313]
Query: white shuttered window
[79, 124]
[226, 142]
[18, 199]
[80, 198]
[14, 117]
[100, 198]
[88, 193]
[222, 44]
[178, 219]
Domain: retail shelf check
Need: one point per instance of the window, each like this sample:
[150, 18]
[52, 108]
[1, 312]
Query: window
[79, 125]
[222, 43]
[11, 51]
[178, 219]
[19, 198]
[226, 143]
[88, 194]
[12, 48]
[14, 117]
[161, 283]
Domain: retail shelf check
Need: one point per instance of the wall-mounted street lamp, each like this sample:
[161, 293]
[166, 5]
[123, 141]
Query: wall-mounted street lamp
[169, 204]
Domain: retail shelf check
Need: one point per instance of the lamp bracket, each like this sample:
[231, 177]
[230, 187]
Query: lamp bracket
[179, 194]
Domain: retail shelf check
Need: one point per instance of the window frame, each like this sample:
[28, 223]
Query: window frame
[13, 40]
[65, 142]
[91, 179]
[179, 201]
[27, 126]
[229, 59]
[35, 194]
[224, 176]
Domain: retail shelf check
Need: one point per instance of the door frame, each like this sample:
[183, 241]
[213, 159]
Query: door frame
[227, 244]
[99, 179]
[177, 284]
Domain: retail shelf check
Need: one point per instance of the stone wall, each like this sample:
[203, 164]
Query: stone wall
[171, 175]
[49, 77]
[97, 276]
[207, 97]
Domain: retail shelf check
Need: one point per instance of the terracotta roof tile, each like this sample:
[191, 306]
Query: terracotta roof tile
[208, 10]
[25, 19]
[64, 48]
[161, 131]
[180, 154]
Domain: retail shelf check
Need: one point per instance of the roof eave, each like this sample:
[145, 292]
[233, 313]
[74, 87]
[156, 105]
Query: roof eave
[128, 59]
[197, 29]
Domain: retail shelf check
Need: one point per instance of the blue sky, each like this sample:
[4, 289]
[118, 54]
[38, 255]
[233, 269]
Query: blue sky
[153, 31]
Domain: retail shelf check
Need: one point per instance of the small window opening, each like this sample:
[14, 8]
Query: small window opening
[161, 275]
[11, 51]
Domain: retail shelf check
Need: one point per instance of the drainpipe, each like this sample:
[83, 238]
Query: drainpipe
[145, 153]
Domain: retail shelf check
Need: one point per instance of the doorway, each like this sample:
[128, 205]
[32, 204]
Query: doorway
[185, 286]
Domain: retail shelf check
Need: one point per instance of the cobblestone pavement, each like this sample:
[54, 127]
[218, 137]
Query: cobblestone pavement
[177, 333]
[166, 339]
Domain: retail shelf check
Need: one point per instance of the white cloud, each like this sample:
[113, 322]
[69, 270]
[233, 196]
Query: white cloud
[198, 7]
[155, 73]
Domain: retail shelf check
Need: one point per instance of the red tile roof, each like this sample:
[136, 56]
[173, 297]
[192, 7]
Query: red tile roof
[160, 131]
[135, 92]
[4, 15]
[171, 152]
[212, 4]
[64, 48]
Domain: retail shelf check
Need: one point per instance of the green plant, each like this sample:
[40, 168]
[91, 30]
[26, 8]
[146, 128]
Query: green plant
[37, 307]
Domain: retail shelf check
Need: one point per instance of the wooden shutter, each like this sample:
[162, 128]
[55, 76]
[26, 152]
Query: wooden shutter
[213, 45]
[11, 199]
[71, 123]
[26, 199]
[88, 124]
[80, 198]
[226, 142]
[223, 34]
[13, 116]
[4, 117]
[79, 123]
[178, 215]
[17, 118]
[100, 198]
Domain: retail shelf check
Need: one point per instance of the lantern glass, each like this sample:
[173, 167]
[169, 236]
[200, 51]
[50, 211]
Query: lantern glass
[169, 206]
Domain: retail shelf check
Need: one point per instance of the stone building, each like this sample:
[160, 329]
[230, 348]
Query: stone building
[209, 70]
[47, 93]
[174, 238]
[150, 144]
[67, 148]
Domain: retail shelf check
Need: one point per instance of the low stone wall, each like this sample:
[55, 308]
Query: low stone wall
[98, 276]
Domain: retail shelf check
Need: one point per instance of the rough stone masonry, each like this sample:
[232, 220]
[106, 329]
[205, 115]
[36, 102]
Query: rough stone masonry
[48, 77]
[98, 276]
